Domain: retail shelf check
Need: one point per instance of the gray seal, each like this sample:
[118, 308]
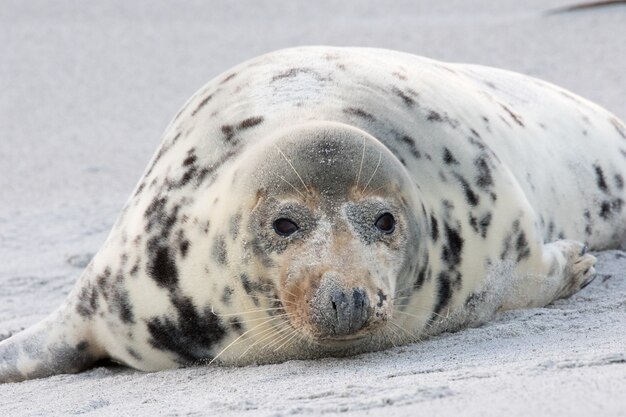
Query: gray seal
[328, 201]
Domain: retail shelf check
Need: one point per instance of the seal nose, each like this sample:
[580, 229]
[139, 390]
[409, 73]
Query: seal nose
[341, 312]
[351, 310]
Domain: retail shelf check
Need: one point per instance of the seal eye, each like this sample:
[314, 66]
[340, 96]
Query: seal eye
[285, 227]
[386, 223]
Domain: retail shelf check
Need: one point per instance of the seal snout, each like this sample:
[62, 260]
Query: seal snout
[340, 312]
[338, 309]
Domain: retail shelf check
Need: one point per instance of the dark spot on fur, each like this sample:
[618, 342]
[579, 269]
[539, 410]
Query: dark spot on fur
[453, 249]
[421, 278]
[588, 222]
[227, 294]
[619, 127]
[140, 188]
[521, 245]
[249, 288]
[550, 230]
[471, 197]
[88, 301]
[202, 104]
[162, 150]
[411, 144]
[219, 250]
[433, 116]
[250, 122]
[608, 208]
[117, 295]
[506, 122]
[162, 266]
[405, 98]
[245, 282]
[619, 181]
[483, 224]
[228, 132]
[359, 113]
[517, 118]
[155, 213]
[132, 352]
[448, 158]
[600, 179]
[236, 325]
[434, 228]
[191, 159]
[381, 297]
[83, 345]
[293, 72]
[484, 179]
[184, 247]
[444, 292]
[478, 143]
[187, 176]
[235, 223]
[230, 77]
[191, 335]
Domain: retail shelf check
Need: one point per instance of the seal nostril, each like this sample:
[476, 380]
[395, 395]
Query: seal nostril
[358, 298]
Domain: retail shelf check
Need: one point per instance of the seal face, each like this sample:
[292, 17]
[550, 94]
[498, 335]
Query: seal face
[337, 241]
[328, 201]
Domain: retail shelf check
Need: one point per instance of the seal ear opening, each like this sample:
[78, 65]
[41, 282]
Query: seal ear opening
[53, 346]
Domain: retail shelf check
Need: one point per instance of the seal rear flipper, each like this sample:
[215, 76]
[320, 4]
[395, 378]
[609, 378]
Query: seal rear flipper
[58, 344]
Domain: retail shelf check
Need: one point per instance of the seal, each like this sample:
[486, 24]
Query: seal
[328, 201]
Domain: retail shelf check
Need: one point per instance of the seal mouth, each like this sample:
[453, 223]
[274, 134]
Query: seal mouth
[341, 341]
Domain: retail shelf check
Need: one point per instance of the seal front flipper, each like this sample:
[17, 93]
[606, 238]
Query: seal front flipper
[565, 269]
[58, 344]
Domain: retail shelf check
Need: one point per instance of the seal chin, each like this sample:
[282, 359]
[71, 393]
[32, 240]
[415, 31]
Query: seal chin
[348, 340]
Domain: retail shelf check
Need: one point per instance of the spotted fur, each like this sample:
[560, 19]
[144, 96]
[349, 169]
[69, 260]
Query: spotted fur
[485, 182]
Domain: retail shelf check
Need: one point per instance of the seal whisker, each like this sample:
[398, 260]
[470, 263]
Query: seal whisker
[289, 293]
[395, 332]
[246, 312]
[267, 333]
[292, 186]
[373, 191]
[358, 177]
[414, 335]
[292, 167]
[293, 334]
[281, 335]
[380, 157]
[239, 338]
[397, 326]
[286, 302]
[295, 340]
[386, 332]
[262, 318]
[408, 287]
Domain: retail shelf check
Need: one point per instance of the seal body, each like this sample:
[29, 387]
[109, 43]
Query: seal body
[328, 201]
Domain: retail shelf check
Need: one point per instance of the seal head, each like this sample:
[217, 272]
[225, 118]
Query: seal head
[332, 225]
